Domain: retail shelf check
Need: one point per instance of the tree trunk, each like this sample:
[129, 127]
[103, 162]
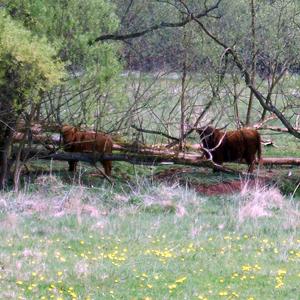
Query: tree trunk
[150, 156]
[253, 63]
[183, 88]
[5, 146]
[182, 106]
[236, 95]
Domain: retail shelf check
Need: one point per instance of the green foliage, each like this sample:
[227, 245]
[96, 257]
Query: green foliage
[276, 35]
[71, 25]
[27, 62]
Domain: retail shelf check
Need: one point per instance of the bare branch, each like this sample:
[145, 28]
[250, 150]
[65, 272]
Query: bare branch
[154, 132]
[188, 19]
[192, 128]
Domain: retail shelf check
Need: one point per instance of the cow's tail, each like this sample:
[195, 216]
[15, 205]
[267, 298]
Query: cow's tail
[258, 148]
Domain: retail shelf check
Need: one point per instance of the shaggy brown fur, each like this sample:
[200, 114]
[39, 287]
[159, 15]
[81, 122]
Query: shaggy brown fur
[87, 141]
[235, 145]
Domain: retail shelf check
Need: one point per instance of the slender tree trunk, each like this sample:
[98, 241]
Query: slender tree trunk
[253, 63]
[7, 127]
[26, 139]
[5, 146]
[235, 103]
[263, 115]
[182, 105]
[17, 171]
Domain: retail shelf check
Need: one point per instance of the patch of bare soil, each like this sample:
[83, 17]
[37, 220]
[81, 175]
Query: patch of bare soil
[213, 189]
[222, 188]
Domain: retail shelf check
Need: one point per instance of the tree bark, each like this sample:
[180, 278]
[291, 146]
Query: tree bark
[274, 128]
[280, 161]
[253, 63]
[122, 37]
[183, 104]
[5, 146]
[150, 157]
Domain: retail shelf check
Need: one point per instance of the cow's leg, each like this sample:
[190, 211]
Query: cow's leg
[107, 170]
[72, 166]
[107, 165]
[250, 161]
[251, 168]
[218, 161]
[217, 170]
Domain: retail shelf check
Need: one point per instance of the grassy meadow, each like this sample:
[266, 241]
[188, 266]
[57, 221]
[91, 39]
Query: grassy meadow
[79, 238]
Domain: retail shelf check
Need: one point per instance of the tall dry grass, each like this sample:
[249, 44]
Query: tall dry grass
[262, 201]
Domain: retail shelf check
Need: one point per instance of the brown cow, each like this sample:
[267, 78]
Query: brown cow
[87, 141]
[232, 145]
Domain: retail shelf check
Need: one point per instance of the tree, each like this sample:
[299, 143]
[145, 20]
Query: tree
[69, 25]
[48, 38]
[28, 67]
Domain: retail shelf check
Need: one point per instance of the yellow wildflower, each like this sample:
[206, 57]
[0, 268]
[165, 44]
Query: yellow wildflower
[172, 286]
[181, 280]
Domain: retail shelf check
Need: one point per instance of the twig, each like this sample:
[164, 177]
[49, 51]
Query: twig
[154, 132]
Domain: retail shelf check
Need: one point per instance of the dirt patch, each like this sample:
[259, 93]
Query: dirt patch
[223, 188]
[209, 189]
[218, 189]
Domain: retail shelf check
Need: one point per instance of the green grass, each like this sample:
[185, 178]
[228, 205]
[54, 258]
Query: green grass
[145, 241]
[285, 145]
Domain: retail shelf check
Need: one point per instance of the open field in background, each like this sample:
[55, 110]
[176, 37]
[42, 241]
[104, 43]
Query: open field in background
[147, 240]
[152, 101]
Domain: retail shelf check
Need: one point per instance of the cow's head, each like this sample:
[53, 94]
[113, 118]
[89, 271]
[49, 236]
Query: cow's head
[207, 136]
[68, 133]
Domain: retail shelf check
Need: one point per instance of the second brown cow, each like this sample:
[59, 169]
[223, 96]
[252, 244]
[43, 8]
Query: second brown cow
[87, 141]
[232, 145]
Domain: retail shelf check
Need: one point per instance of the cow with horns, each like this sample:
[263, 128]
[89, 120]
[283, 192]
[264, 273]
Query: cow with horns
[231, 146]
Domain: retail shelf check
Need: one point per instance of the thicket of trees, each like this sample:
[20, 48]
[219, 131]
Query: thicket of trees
[44, 50]
[60, 61]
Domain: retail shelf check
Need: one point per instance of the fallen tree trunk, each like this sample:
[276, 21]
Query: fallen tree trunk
[274, 128]
[136, 154]
[151, 157]
[281, 161]
[55, 140]
[37, 138]
[154, 158]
